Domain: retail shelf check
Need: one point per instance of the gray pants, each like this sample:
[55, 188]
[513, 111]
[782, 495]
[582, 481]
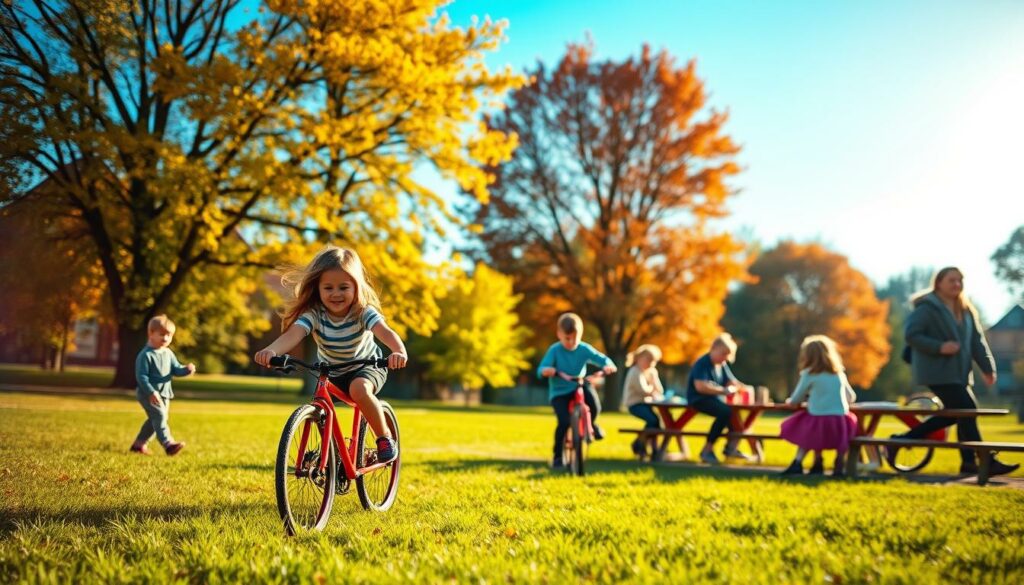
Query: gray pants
[156, 421]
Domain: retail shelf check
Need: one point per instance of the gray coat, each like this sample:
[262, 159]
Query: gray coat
[929, 326]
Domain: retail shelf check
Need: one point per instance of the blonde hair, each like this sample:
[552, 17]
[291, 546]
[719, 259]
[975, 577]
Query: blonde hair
[161, 322]
[648, 349]
[818, 353]
[725, 340]
[570, 323]
[304, 283]
[961, 304]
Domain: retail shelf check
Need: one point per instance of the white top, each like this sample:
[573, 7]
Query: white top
[826, 393]
[641, 384]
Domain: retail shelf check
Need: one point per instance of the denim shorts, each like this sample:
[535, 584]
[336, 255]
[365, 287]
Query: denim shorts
[376, 376]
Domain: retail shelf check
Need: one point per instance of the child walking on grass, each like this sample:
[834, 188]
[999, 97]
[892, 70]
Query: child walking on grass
[155, 365]
[570, 356]
[334, 301]
[827, 423]
[643, 385]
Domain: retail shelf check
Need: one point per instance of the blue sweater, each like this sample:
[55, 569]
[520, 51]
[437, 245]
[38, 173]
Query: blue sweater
[154, 369]
[573, 363]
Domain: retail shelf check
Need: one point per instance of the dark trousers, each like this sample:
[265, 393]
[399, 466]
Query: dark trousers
[717, 409]
[646, 412]
[952, 396]
[561, 406]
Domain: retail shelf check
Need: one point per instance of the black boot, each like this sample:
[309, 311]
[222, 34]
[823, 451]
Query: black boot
[818, 468]
[795, 468]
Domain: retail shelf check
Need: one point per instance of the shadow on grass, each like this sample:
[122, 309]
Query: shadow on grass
[686, 471]
[10, 520]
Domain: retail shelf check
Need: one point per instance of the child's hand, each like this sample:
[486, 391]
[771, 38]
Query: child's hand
[547, 372]
[154, 399]
[397, 360]
[191, 369]
[263, 357]
[610, 369]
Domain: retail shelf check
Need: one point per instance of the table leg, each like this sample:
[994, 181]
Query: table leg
[756, 446]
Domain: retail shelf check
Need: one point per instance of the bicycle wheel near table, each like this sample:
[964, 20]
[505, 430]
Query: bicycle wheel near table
[305, 495]
[377, 489]
[575, 455]
[911, 459]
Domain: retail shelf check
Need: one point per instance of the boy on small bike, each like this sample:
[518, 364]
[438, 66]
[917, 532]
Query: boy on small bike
[570, 355]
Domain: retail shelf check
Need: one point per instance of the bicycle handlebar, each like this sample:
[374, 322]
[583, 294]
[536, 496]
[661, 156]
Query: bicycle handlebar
[579, 379]
[286, 363]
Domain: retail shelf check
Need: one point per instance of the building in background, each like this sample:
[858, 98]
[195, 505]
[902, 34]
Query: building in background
[1006, 339]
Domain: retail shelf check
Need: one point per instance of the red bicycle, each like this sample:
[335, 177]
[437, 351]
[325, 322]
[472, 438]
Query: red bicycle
[307, 470]
[581, 426]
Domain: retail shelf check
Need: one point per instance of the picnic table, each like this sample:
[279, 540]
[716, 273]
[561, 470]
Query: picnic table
[677, 414]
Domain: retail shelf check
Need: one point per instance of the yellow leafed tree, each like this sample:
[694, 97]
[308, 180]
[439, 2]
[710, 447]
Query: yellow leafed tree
[183, 136]
[479, 340]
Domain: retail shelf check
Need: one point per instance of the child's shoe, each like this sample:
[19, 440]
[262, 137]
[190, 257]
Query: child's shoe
[817, 469]
[387, 450]
[140, 449]
[557, 464]
[737, 454]
[639, 449]
[598, 433]
[709, 458]
[795, 468]
[174, 448]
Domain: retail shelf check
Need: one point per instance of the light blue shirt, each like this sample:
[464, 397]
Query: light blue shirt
[826, 393]
[573, 363]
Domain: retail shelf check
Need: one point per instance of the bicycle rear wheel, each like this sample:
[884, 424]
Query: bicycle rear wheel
[576, 443]
[377, 489]
[305, 495]
[911, 459]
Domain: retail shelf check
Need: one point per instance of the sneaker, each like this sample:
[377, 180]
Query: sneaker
[817, 469]
[737, 454]
[387, 450]
[173, 448]
[709, 458]
[140, 449]
[557, 465]
[795, 468]
[999, 468]
[639, 449]
[598, 433]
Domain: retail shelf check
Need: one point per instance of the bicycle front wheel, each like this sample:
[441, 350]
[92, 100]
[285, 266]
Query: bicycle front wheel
[577, 442]
[305, 495]
[911, 459]
[377, 489]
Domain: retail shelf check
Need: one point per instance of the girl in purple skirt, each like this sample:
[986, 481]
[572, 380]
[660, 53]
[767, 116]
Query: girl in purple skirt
[827, 423]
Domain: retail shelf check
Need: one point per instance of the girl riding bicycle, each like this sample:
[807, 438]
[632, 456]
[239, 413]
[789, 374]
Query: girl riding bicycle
[336, 303]
[570, 356]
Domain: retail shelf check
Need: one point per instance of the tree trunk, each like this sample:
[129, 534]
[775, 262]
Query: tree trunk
[129, 341]
[613, 383]
[62, 353]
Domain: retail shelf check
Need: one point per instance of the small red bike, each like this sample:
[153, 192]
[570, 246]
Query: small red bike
[307, 472]
[581, 425]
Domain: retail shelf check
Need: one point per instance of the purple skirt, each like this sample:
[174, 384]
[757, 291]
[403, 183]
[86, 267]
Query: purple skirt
[813, 433]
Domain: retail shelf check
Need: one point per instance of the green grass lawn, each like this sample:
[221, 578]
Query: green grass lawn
[476, 504]
[99, 377]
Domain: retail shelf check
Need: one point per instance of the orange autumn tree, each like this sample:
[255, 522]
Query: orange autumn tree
[805, 289]
[604, 209]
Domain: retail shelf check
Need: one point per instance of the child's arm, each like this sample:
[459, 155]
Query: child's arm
[388, 337]
[546, 368]
[604, 362]
[142, 377]
[179, 370]
[282, 344]
[803, 386]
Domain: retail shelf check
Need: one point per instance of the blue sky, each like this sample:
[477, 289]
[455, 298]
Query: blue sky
[890, 131]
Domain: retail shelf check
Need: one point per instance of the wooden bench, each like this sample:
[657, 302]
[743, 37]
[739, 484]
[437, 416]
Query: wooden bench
[652, 435]
[984, 449]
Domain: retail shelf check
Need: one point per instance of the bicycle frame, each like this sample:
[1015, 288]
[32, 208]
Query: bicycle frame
[322, 398]
[586, 424]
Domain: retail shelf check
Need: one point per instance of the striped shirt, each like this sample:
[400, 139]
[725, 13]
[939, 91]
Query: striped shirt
[343, 340]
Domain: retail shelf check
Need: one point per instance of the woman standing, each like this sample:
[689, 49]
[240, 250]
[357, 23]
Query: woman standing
[945, 335]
